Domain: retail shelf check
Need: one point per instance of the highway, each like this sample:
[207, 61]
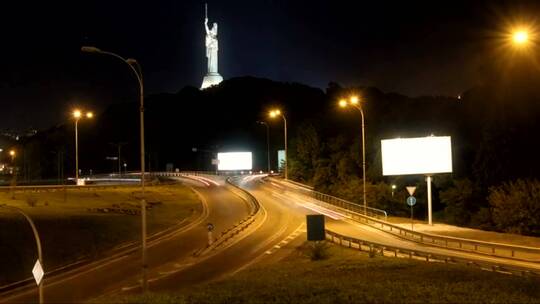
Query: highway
[341, 224]
[180, 260]
[221, 207]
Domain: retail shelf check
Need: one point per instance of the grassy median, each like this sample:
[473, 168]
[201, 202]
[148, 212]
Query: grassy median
[352, 277]
[78, 224]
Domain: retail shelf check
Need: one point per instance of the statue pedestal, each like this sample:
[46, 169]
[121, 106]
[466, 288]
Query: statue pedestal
[211, 79]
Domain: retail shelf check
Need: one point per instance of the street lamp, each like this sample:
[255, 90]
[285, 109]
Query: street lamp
[273, 114]
[12, 154]
[38, 245]
[520, 37]
[77, 114]
[267, 143]
[354, 101]
[136, 69]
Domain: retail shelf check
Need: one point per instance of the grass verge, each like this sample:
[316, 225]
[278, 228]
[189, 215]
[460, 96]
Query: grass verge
[79, 224]
[349, 276]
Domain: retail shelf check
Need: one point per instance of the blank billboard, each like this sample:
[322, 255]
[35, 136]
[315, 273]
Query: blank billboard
[421, 155]
[234, 161]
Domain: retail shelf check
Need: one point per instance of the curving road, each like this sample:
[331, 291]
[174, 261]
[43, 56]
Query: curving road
[341, 224]
[221, 207]
[277, 230]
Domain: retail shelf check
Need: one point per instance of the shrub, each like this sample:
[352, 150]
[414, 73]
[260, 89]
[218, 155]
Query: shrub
[516, 206]
[318, 251]
[31, 201]
[460, 202]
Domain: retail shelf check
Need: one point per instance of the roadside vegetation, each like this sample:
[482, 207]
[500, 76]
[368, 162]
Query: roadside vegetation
[83, 224]
[349, 276]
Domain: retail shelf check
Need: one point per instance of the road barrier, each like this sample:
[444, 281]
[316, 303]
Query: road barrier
[530, 254]
[329, 199]
[239, 227]
[386, 250]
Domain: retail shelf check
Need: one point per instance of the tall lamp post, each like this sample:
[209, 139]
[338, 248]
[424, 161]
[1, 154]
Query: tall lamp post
[77, 114]
[267, 143]
[273, 114]
[38, 245]
[354, 101]
[136, 69]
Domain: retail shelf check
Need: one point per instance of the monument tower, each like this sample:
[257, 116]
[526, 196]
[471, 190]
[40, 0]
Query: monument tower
[212, 76]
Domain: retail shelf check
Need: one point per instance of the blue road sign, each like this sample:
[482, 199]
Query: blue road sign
[411, 201]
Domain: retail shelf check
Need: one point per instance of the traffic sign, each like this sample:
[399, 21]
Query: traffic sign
[315, 227]
[411, 201]
[411, 190]
[38, 272]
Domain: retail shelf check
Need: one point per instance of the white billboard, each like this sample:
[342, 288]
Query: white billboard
[421, 155]
[234, 161]
[280, 159]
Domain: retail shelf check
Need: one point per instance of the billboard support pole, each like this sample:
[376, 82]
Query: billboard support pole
[430, 210]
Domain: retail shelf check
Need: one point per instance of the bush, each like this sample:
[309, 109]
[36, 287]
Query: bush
[460, 202]
[318, 251]
[31, 201]
[516, 206]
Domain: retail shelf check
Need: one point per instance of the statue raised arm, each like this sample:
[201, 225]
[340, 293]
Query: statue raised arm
[212, 77]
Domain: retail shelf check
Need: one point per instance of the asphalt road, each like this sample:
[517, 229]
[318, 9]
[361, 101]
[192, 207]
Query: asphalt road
[342, 225]
[223, 209]
[276, 231]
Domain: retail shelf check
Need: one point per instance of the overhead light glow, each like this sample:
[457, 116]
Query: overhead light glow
[520, 37]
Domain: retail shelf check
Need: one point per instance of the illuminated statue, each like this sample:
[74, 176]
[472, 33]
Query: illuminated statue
[212, 77]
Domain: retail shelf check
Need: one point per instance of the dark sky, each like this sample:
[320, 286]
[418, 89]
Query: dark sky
[411, 47]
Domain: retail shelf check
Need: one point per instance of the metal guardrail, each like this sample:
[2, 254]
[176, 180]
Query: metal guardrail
[240, 226]
[531, 254]
[332, 200]
[374, 248]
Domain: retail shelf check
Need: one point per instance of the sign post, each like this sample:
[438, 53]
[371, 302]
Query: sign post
[210, 227]
[422, 155]
[315, 227]
[411, 201]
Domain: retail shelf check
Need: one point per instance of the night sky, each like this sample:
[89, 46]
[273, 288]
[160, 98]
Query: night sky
[411, 47]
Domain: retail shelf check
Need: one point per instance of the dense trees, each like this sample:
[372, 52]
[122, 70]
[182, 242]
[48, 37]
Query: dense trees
[493, 136]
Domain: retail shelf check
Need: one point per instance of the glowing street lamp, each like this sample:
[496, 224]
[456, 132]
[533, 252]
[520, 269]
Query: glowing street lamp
[77, 114]
[12, 153]
[137, 71]
[354, 101]
[520, 37]
[273, 114]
